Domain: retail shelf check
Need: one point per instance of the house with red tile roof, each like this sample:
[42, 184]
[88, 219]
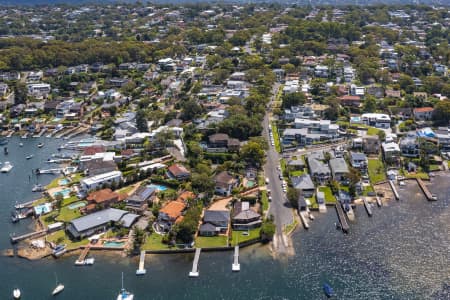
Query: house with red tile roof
[423, 113]
[178, 172]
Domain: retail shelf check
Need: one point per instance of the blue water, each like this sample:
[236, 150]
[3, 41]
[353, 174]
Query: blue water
[65, 193]
[113, 244]
[159, 187]
[77, 204]
[402, 252]
[63, 181]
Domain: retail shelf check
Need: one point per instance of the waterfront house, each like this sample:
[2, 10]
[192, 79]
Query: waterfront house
[101, 199]
[423, 113]
[141, 198]
[339, 169]
[100, 222]
[358, 160]
[91, 183]
[224, 183]
[391, 152]
[371, 144]
[409, 145]
[318, 170]
[97, 166]
[178, 172]
[244, 218]
[170, 214]
[219, 219]
[304, 184]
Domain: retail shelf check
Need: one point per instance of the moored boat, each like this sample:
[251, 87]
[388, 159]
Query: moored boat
[29, 156]
[40, 145]
[38, 188]
[59, 250]
[59, 287]
[124, 294]
[7, 166]
[16, 294]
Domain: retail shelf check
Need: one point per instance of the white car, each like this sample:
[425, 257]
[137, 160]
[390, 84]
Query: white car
[267, 180]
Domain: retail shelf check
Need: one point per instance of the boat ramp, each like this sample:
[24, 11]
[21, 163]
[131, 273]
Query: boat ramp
[194, 272]
[394, 190]
[303, 218]
[367, 206]
[141, 270]
[426, 191]
[341, 217]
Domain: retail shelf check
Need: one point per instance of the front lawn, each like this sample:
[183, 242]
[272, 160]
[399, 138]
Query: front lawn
[264, 200]
[69, 200]
[376, 171]
[211, 241]
[241, 236]
[66, 214]
[60, 237]
[329, 198]
[154, 242]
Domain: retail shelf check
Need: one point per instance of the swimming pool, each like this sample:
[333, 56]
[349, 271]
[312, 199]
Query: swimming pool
[77, 204]
[65, 193]
[250, 183]
[63, 181]
[113, 244]
[160, 188]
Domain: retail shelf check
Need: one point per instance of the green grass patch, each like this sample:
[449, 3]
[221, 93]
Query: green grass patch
[376, 171]
[282, 165]
[60, 237]
[69, 200]
[421, 175]
[329, 197]
[66, 214]
[367, 189]
[373, 131]
[297, 173]
[126, 189]
[435, 167]
[238, 236]
[211, 241]
[54, 183]
[154, 242]
[288, 228]
[76, 178]
[276, 137]
[49, 218]
[313, 201]
[264, 200]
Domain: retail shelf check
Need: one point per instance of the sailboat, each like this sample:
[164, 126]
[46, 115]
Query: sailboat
[59, 287]
[16, 294]
[124, 294]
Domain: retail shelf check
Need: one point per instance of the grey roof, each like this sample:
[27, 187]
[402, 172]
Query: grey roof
[317, 167]
[208, 227]
[103, 217]
[358, 156]
[296, 162]
[216, 216]
[320, 196]
[246, 215]
[319, 155]
[338, 165]
[303, 182]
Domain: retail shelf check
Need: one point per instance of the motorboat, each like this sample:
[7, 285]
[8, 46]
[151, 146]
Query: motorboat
[38, 188]
[29, 156]
[59, 287]
[20, 144]
[124, 294]
[7, 166]
[40, 145]
[14, 217]
[16, 294]
[328, 290]
[59, 250]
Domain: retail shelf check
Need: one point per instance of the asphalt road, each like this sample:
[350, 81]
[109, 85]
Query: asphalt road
[279, 206]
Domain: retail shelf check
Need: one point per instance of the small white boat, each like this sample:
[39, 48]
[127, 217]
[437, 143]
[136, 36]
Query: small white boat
[38, 188]
[7, 166]
[20, 144]
[59, 287]
[124, 294]
[89, 261]
[40, 145]
[29, 156]
[16, 294]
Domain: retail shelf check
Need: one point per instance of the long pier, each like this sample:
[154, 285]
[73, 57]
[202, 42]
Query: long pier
[141, 270]
[367, 206]
[426, 191]
[236, 267]
[394, 190]
[16, 239]
[341, 217]
[82, 257]
[194, 272]
[24, 205]
[51, 171]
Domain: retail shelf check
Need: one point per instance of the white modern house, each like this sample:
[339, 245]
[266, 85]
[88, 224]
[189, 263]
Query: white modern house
[91, 183]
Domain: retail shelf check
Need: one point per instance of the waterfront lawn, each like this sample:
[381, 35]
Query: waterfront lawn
[237, 236]
[69, 200]
[376, 171]
[211, 241]
[49, 218]
[276, 138]
[329, 198]
[154, 242]
[60, 237]
[421, 175]
[313, 202]
[54, 183]
[66, 214]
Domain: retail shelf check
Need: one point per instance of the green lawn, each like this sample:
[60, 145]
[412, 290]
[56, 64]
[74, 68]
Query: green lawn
[54, 183]
[264, 200]
[60, 237]
[421, 175]
[313, 202]
[240, 236]
[126, 189]
[282, 165]
[376, 171]
[297, 173]
[288, 228]
[372, 131]
[276, 138]
[66, 214]
[329, 197]
[367, 190]
[153, 242]
[69, 200]
[435, 167]
[211, 241]
[76, 178]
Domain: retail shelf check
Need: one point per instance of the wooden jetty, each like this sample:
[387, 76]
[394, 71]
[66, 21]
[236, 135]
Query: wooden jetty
[367, 206]
[304, 220]
[341, 217]
[24, 205]
[141, 270]
[16, 239]
[426, 191]
[50, 171]
[81, 259]
[394, 190]
[194, 272]
[236, 267]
